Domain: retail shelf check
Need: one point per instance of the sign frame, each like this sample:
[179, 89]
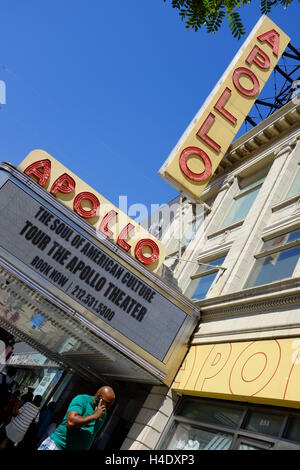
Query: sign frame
[163, 370]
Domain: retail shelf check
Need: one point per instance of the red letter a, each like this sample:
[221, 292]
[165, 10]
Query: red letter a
[272, 38]
[41, 170]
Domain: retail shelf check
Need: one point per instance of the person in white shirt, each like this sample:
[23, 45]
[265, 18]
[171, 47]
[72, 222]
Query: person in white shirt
[17, 428]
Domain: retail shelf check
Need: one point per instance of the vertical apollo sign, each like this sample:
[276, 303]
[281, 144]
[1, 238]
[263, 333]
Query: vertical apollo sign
[201, 148]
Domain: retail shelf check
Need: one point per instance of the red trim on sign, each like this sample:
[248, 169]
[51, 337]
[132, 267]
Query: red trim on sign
[217, 373]
[203, 366]
[249, 345]
[218, 355]
[125, 234]
[103, 227]
[86, 214]
[255, 354]
[192, 370]
[63, 184]
[258, 57]
[289, 376]
[236, 81]
[203, 130]
[138, 251]
[272, 37]
[219, 106]
[196, 151]
[41, 170]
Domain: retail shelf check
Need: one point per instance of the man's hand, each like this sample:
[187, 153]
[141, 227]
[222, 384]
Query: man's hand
[75, 420]
[99, 411]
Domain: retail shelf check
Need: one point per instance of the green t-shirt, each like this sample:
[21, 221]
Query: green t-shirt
[78, 438]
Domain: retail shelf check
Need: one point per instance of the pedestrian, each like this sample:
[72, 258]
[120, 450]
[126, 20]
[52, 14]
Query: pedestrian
[15, 431]
[14, 403]
[82, 422]
[7, 385]
[27, 397]
[51, 428]
[46, 418]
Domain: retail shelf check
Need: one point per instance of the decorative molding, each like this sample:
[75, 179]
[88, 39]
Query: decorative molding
[227, 230]
[257, 299]
[284, 224]
[297, 207]
[227, 183]
[286, 149]
[247, 334]
[262, 306]
[285, 203]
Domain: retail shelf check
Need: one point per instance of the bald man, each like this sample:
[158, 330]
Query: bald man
[82, 422]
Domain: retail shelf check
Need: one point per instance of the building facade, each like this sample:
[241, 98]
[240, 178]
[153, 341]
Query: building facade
[238, 386]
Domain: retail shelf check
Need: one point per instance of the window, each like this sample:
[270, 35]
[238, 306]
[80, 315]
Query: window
[187, 437]
[172, 260]
[264, 423]
[191, 230]
[295, 188]
[203, 424]
[192, 220]
[222, 415]
[204, 278]
[242, 202]
[293, 430]
[277, 260]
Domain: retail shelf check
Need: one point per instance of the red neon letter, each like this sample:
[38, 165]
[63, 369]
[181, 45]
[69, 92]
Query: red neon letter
[138, 252]
[206, 173]
[236, 81]
[259, 57]
[103, 227]
[219, 106]
[202, 133]
[272, 37]
[41, 170]
[77, 206]
[124, 234]
[63, 184]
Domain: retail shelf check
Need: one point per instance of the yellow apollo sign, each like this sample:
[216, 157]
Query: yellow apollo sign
[94, 208]
[201, 148]
[255, 371]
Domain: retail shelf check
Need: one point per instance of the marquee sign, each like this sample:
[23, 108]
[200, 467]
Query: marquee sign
[62, 258]
[201, 148]
[94, 208]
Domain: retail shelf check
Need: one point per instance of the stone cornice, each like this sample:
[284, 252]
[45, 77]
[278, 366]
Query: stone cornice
[259, 299]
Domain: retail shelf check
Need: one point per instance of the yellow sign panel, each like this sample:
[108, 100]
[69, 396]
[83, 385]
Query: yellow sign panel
[256, 371]
[201, 148]
[106, 218]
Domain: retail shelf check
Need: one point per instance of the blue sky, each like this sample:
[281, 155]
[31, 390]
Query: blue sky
[108, 87]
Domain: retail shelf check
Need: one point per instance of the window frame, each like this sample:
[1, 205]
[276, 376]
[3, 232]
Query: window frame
[207, 261]
[238, 432]
[287, 196]
[212, 270]
[265, 253]
[244, 192]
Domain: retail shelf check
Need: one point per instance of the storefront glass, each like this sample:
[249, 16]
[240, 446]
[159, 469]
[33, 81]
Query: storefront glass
[200, 424]
[187, 437]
